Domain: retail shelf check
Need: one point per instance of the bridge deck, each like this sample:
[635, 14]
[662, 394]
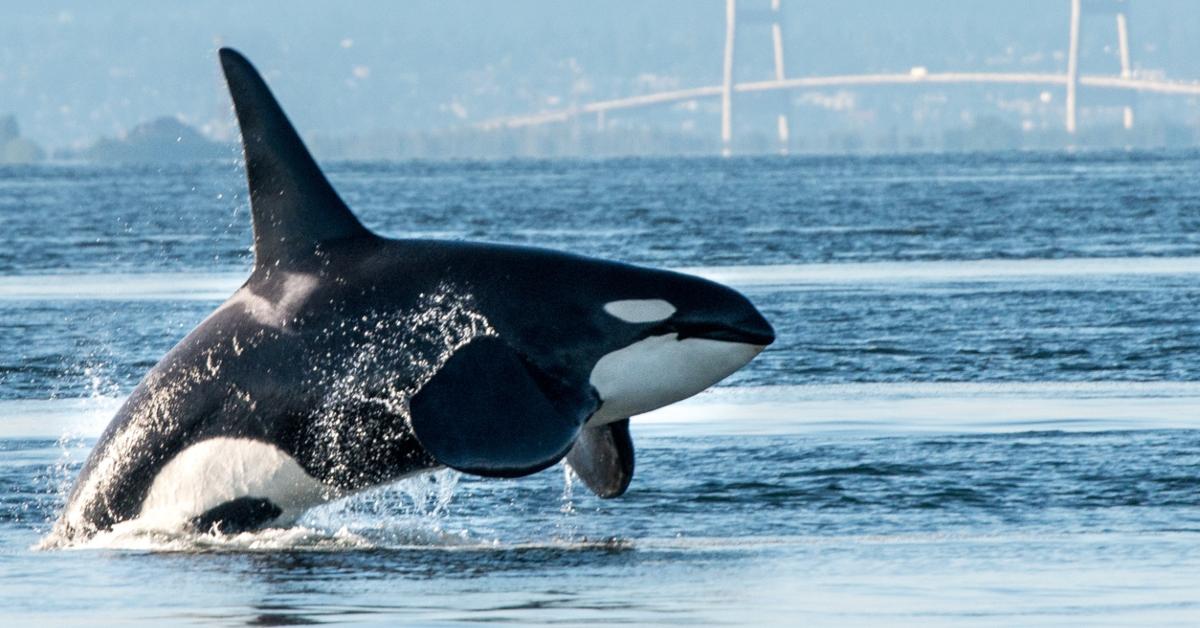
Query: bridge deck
[847, 80]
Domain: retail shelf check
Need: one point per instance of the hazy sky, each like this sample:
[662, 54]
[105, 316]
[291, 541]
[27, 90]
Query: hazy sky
[75, 70]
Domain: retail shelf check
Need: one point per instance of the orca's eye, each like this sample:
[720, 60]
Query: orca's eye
[640, 310]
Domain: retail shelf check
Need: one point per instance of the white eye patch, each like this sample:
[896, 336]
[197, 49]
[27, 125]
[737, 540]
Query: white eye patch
[640, 310]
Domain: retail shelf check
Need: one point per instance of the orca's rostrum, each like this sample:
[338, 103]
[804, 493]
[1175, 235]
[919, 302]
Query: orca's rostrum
[349, 360]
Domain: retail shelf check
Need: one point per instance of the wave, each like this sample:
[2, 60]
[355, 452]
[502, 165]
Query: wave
[121, 286]
[882, 409]
[310, 539]
[949, 271]
[182, 286]
[886, 409]
[56, 418]
[403, 538]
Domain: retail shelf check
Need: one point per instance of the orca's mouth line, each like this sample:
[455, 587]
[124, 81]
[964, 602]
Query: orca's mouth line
[715, 331]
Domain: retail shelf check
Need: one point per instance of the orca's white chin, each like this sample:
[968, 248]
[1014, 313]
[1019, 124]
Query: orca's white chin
[661, 370]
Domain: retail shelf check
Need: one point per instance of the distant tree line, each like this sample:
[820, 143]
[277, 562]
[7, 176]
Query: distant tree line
[15, 149]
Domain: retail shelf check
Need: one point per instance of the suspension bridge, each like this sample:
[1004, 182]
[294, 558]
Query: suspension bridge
[1070, 81]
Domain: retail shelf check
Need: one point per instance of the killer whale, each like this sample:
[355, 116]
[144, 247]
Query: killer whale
[348, 360]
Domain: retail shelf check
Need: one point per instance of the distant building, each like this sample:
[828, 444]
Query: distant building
[15, 149]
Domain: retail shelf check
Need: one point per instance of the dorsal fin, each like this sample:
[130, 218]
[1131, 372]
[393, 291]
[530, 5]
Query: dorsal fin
[295, 208]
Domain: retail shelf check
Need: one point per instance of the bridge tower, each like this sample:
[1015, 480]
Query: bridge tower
[1116, 8]
[772, 16]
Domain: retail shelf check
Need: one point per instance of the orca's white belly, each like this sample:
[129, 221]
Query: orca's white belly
[219, 470]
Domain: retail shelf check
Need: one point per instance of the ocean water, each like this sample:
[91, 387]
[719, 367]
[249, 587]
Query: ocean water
[983, 407]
